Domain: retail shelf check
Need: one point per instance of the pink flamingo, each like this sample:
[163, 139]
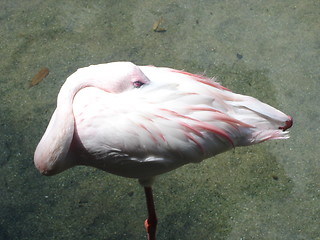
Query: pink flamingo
[142, 121]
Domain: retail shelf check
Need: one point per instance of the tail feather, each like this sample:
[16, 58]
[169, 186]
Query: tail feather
[268, 122]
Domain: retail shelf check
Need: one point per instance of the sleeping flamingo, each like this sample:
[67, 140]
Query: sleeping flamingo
[142, 121]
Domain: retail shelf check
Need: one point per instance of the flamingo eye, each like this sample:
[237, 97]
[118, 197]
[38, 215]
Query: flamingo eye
[138, 84]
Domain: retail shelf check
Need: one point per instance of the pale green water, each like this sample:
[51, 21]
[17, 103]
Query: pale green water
[268, 191]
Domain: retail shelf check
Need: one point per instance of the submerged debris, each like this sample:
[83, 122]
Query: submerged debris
[239, 56]
[43, 72]
[156, 26]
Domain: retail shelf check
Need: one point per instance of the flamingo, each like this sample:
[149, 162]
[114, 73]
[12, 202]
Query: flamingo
[142, 121]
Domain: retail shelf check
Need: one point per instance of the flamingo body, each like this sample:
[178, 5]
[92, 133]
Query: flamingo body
[142, 121]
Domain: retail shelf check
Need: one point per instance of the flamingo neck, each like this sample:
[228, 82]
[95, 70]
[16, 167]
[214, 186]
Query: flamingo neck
[51, 153]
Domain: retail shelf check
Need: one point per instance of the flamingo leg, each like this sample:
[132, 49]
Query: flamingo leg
[151, 222]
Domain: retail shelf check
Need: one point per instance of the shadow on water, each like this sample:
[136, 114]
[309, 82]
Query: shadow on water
[207, 203]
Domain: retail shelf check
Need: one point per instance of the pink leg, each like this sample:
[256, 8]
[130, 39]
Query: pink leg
[151, 222]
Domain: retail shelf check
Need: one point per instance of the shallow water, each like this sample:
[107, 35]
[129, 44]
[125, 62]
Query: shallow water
[267, 49]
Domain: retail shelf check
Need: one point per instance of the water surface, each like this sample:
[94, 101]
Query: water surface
[267, 49]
